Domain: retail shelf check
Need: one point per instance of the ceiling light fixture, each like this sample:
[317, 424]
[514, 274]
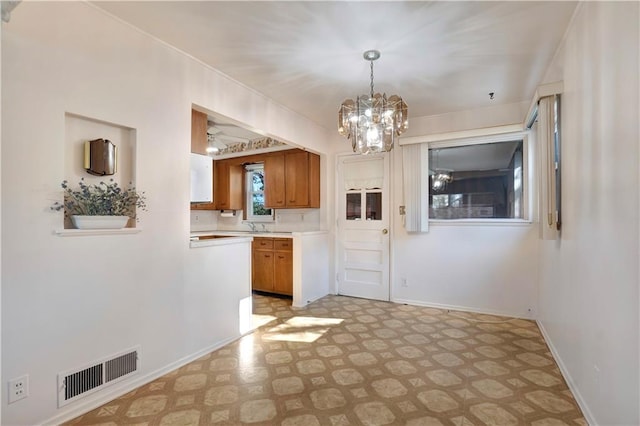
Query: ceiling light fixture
[372, 122]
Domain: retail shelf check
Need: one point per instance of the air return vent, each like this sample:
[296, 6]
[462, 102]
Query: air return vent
[79, 382]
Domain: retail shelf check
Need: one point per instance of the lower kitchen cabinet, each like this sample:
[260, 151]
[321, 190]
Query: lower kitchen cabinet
[272, 265]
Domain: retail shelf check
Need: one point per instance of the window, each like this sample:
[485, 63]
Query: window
[363, 180]
[477, 180]
[256, 211]
[372, 202]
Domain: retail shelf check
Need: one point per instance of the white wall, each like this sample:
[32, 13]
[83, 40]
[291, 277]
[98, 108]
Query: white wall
[310, 272]
[488, 116]
[482, 268]
[1, 24]
[589, 298]
[69, 300]
[490, 268]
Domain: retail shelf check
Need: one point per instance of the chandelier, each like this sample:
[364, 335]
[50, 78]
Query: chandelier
[372, 122]
[440, 177]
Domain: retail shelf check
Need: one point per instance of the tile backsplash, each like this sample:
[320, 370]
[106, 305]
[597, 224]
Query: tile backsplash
[289, 220]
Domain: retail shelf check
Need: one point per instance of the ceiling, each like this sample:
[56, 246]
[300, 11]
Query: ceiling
[439, 56]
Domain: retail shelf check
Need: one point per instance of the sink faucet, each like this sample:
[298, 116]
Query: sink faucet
[252, 226]
[264, 228]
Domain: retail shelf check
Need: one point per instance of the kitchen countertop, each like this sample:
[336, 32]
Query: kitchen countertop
[222, 241]
[243, 234]
[223, 237]
[277, 234]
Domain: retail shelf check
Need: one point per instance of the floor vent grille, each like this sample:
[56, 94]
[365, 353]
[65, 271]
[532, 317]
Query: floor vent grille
[82, 381]
[120, 366]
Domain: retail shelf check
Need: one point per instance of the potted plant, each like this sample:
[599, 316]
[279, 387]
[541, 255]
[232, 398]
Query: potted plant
[104, 205]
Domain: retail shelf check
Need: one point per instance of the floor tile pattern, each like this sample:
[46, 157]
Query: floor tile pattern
[346, 361]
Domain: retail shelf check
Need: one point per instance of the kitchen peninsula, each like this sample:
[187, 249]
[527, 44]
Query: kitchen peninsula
[306, 255]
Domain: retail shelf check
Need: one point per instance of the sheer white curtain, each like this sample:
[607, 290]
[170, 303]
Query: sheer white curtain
[415, 179]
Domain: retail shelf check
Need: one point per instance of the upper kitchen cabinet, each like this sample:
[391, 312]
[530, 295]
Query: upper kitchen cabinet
[199, 146]
[274, 185]
[227, 185]
[292, 180]
[198, 132]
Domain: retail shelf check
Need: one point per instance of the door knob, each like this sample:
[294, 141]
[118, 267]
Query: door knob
[385, 231]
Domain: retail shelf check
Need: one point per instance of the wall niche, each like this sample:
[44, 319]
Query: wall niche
[78, 130]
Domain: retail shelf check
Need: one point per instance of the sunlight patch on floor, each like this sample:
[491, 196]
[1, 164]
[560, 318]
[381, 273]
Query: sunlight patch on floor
[258, 320]
[301, 329]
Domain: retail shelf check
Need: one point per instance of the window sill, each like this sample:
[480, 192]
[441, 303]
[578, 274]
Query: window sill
[91, 232]
[479, 222]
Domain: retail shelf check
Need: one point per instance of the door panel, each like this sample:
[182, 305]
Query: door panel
[274, 186]
[297, 173]
[263, 268]
[283, 273]
[354, 255]
[363, 222]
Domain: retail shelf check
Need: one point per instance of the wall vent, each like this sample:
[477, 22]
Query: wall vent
[79, 382]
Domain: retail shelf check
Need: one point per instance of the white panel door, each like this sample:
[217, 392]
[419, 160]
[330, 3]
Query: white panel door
[363, 224]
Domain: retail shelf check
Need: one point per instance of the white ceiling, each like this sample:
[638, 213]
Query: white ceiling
[439, 56]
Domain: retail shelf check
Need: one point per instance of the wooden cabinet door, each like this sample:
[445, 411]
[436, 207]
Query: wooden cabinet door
[227, 185]
[274, 186]
[262, 270]
[297, 179]
[221, 184]
[283, 267]
[198, 132]
[262, 264]
[314, 180]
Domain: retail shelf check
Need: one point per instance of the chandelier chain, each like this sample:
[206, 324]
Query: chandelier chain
[371, 63]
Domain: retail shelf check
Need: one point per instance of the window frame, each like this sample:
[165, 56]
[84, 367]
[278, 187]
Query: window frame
[527, 178]
[249, 216]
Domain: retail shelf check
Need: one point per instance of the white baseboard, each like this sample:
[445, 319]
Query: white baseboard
[100, 398]
[308, 302]
[567, 377]
[463, 308]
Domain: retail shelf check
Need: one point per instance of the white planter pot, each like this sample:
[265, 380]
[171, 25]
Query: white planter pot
[99, 222]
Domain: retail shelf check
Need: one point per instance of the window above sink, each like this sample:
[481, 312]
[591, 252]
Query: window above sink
[255, 187]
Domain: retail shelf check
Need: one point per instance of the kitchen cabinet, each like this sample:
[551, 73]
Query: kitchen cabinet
[198, 132]
[274, 185]
[227, 185]
[272, 265]
[283, 266]
[199, 146]
[292, 180]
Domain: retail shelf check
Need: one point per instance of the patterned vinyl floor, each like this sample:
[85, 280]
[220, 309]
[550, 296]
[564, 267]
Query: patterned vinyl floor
[346, 361]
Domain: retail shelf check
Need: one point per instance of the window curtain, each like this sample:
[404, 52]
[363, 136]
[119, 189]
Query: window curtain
[364, 174]
[546, 133]
[415, 179]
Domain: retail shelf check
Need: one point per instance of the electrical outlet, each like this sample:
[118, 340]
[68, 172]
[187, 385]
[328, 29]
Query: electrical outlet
[18, 388]
[403, 282]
